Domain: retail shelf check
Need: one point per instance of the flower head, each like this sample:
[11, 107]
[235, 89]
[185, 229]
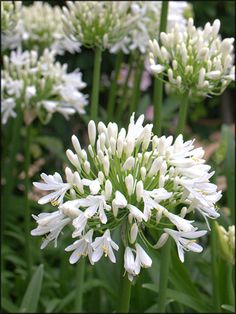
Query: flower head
[40, 85]
[39, 26]
[97, 23]
[9, 15]
[135, 180]
[196, 62]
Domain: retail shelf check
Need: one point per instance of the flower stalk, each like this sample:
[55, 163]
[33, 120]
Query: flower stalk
[182, 115]
[158, 84]
[27, 209]
[136, 87]
[79, 285]
[96, 83]
[112, 93]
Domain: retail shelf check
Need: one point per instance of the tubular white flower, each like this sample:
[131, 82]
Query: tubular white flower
[92, 132]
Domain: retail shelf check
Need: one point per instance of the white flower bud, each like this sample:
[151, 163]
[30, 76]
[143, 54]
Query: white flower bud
[78, 183]
[102, 128]
[102, 140]
[76, 145]
[69, 175]
[201, 77]
[86, 166]
[72, 194]
[84, 154]
[161, 181]
[162, 240]
[154, 142]
[73, 158]
[216, 27]
[108, 189]
[183, 212]
[139, 190]
[106, 165]
[143, 172]
[129, 163]
[100, 177]
[133, 233]
[155, 167]
[90, 149]
[174, 64]
[113, 145]
[92, 132]
[129, 148]
[120, 145]
[129, 182]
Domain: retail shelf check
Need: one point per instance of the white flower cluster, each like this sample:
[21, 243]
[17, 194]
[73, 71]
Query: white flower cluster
[40, 26]
[148, 15]
[197, 61]
[40, 85]
[9, 11]
[97, 23]
[132, 179]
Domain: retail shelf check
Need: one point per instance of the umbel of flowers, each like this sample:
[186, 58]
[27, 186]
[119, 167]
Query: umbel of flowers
[196, 61]
[39, 85]
[131, 179]
[97, 23]
[147, 16]
[9, 13]
[40, 26]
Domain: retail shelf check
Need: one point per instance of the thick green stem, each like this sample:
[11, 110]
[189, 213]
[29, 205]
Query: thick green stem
[125, 293]
[182, 116]
[215, 268]
[96, 83]
[79, 285]
[27, 209]
[164, 273]
[158, 84]
[136, 88]
[112, 92]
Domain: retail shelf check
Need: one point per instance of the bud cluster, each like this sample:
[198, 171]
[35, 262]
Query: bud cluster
[9, 14]
[227, 243]
[39, 85]
[196, 62]
[147, 23]
[40, 26]
[97, 23]
[133, 180]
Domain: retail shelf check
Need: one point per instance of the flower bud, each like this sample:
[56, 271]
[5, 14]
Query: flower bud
[92, 132]
[162, 240]
[129, 163]
[129, 182]
[133, 233]
[139, 190]
[108, 189]
[143, 172]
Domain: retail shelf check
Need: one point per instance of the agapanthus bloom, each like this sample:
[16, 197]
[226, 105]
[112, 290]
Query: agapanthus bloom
[196, 62]
[134, 180]
[40, 26]
[9, 14]
[97, 23]
[147, 16]
[40, 85]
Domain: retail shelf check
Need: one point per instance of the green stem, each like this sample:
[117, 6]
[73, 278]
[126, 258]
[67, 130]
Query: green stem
[125, 293]
[215, 269]
[164, 273]
[182, 115]
[122, 105]
[158, 84]
[125, 285]
[112, 92]
[79, 285]
[27, 209]
[96, 83]
[136, 88]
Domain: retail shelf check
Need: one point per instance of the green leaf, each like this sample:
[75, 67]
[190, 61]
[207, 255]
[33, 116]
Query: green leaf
[30, 300]
[228, 307]
[8, 306]
[183, 298]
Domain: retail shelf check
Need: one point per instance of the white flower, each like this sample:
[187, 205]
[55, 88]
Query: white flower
[104, 245]
[81, 247]
[51, 225]
[185, 241]
[7, 109]
[181, 223]
[52, 183]
[94, 185]
[136, 213]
